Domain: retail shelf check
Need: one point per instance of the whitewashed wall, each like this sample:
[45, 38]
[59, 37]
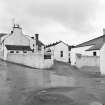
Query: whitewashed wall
[32, 60]
[1, 54]
[88, 61]
[17, 38]
[81, 50]
[102, 60]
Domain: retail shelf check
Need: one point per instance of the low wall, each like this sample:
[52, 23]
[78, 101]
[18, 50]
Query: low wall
[87, 61]
[1, 54]
[32, 60]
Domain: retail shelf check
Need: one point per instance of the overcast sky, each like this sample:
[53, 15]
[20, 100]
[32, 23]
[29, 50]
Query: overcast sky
[72, 21]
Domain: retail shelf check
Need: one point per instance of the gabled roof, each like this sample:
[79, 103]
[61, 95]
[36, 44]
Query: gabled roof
[18, 47]
[2, 34]
[39, 43]
[53, 44]
[96, 42]
[95, 47]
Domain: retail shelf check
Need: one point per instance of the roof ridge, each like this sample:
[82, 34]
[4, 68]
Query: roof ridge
[53, 44]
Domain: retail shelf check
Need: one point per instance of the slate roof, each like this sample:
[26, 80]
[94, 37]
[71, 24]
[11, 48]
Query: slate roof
[96, 42]
[38, 42]
[2, 34]
[95, 47]
[53, 44]
[18, 47]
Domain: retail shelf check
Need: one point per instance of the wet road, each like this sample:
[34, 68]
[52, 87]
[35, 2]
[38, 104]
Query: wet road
[15, 80]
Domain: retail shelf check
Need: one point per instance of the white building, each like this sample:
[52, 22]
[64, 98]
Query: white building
[87, 53]
[25, 50]
[61, 51]
[102, 57]
[1, 36]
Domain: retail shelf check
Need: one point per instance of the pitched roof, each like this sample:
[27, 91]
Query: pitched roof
[2, 34]
[39, 43]
[96, 42]
[53, 44]
[95, 47]
[18, 47]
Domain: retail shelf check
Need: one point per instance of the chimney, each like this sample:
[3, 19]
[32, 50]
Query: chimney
[17, 30]
[37, 36]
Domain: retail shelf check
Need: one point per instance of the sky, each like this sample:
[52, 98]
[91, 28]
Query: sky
[72, 21]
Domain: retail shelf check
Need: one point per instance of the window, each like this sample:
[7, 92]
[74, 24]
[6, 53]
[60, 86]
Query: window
[69, 60]
[94, 53]
[47, 56]
[24, 51]
[61, 53]
[17, 51]
[39, 48]
[32, 50]
[69, 48]
[11, 51]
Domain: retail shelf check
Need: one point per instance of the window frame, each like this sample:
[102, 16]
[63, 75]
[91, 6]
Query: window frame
[61, 54]
[17, 51]
[94, 53]
[11, 51]
[24, 51]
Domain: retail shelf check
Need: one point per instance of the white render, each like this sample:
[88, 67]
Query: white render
[82, 51]
[102, 60]
[17, 38]
[56, 50]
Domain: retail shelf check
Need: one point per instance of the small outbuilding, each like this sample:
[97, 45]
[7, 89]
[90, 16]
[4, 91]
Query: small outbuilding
[60, 50]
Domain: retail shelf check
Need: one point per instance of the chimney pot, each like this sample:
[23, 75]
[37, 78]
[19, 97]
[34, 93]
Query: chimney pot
[37, 36]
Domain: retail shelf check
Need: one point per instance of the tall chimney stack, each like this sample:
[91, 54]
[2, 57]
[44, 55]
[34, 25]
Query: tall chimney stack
[37, 36]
